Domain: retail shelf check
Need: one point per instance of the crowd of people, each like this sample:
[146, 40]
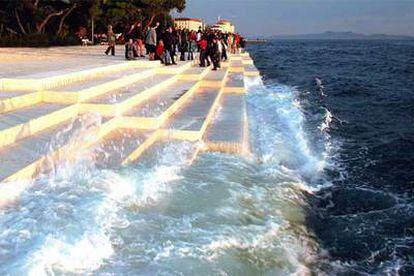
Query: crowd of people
[170, 44]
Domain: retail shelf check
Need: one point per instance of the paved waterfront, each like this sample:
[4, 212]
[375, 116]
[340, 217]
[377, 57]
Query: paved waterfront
[40, 62]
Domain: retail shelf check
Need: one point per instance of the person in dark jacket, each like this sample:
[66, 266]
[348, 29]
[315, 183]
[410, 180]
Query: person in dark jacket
[224, 45]
[215, 54]
[183, 44]
[169, 44]
[176, 40]
[130, 51]
[137, 35]
[242, 43]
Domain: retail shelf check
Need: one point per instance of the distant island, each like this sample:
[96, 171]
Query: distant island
[344, 35]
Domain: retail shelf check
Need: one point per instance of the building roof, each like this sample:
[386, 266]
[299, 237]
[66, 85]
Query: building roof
[223, 21]
[188, 19]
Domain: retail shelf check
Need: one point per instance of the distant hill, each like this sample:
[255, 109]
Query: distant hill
[343, 35]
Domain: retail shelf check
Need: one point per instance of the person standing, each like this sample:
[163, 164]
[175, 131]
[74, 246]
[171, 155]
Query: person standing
[183, 44]
[130, 52]
[224, 56]
[169, 45]
[138, 36]
[237, 43]
[160, 53]
[111, 41]
[191, 45]
[176, 41]
[151, 40]
[203, 51]
[198, 39]
[215, 53]
[242, 43]
[230, 43]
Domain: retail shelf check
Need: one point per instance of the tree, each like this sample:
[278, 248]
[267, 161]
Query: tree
[61, 17]
[121, 13]
[154, 8]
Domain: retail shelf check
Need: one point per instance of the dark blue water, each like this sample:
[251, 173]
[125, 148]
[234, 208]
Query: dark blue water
[364, 221]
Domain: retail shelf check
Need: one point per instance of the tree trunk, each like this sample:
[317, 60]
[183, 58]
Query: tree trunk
[19, 22]
[41, 25]
[64, 17]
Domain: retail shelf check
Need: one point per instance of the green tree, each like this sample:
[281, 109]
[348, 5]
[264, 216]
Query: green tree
[62, 17]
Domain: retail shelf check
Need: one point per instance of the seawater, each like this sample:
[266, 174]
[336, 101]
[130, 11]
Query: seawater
[308, 201]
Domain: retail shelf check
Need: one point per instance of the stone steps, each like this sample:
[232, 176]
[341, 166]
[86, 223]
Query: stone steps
[132, 105]
[28, 157]
[192, 116]
[157, 105]
[28, 121]
[227, 133]
[118, 145]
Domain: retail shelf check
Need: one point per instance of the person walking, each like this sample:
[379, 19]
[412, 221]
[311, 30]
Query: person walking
[111, 41]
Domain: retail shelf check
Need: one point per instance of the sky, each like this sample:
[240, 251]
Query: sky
[277, 17]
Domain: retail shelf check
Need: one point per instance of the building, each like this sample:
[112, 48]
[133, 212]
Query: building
[225, 26]
[193, 24]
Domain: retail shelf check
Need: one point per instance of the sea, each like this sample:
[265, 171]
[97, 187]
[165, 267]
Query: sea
[329, 189]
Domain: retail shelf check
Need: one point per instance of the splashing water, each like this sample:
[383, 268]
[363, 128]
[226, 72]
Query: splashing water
[280, 139]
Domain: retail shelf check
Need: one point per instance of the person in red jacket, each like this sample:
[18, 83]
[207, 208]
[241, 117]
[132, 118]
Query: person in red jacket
[192, 45]
[237, 43]
[160, 51]
[203, 51]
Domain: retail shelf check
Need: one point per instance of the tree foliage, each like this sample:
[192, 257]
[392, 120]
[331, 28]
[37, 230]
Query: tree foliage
[65, 17]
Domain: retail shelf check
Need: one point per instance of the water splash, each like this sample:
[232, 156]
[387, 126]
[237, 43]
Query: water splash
[279, 123]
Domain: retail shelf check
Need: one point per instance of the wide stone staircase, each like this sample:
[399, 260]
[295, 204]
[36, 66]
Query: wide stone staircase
[122, 110]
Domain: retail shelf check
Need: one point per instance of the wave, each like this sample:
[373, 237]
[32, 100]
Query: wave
[281, 139]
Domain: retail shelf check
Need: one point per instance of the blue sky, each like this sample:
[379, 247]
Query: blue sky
[270, 17]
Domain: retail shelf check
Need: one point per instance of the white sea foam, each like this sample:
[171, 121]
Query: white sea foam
[84, 255]
[279, 124]
[320, 86]
[10, 192]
